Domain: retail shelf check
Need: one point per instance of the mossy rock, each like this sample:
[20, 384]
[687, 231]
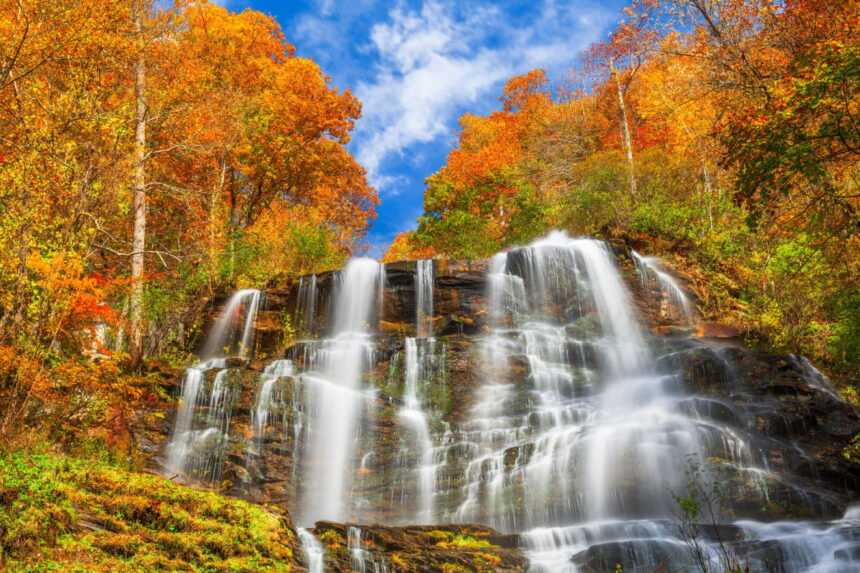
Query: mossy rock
[64, 514]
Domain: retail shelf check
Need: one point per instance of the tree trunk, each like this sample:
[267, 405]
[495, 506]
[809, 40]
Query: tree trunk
[139, 201]
[213, 210]
[625, 133]
[709, 188]
[214, 199]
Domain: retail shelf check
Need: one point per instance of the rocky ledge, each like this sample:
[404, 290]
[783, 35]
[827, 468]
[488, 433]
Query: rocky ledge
[426, 549]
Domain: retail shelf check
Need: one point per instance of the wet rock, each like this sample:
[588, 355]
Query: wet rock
[636, 556]
[796, 427]
[436, 548]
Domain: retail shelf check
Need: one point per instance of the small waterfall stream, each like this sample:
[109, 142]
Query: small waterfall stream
[232, 333]
[313, 550]
[201, 431]
[413, 416]
[672, 295]
[559, 418]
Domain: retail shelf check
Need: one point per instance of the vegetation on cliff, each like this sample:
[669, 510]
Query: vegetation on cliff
[153, 155]
[722, 135]
[65, 514]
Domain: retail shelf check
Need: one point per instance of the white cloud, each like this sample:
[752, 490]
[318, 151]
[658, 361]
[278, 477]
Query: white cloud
[417, 106]
[325, 6]
[437, 61]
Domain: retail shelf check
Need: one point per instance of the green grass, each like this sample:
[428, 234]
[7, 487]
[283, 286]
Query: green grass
[65, 514]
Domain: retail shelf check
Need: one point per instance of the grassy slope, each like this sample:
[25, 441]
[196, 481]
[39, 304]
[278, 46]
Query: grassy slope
[65, 514]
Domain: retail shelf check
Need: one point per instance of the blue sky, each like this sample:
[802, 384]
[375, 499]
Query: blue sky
[417, 65]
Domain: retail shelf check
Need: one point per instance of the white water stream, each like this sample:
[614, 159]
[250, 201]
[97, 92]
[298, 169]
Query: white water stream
[334, 393]
[575, 434]
[202, 426]
[673, 295]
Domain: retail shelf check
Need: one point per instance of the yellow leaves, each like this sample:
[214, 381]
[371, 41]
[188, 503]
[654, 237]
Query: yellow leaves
[56, 271]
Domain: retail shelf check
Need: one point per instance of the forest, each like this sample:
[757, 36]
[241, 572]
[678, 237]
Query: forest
[156, 157]
[151, 159]
[723, 135]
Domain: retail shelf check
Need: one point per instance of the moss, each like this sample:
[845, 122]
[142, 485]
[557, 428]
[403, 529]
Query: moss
[851, 452]
[437, 391]
[487, 561]
[64, 514]
[440, 536]
[330, 539]
[464, 542]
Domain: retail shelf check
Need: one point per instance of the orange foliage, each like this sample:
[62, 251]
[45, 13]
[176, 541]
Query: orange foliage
[403, 248]
[246, 176]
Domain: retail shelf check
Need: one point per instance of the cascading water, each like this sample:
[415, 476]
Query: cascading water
[313, 550]
[412, 414]
[306, 305]
[202, 425]
[269, 379]
[232, 333]
[557, 417]
[672, 294]
[424, 297]
[589, 421]
[414, 417]
[362, 560]
[332, 382]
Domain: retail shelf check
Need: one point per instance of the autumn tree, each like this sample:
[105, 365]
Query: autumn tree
[62, 158]
[153, 156]
[620, 59]
[484, 198]
[405, 247]
[261, 132]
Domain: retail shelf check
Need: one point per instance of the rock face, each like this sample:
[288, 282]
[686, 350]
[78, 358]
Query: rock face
[773, 429]
[436, 548]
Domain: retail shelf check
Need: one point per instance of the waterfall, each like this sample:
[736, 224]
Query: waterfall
[424, 298]
[558, 303]
[674, 296]
[202, 425]
[260, 414]
[313, 550]
[555, 415]
[180, 442]
[414, 417]
[360, 557]
[306, 305]
[333, 380]
[232, 334]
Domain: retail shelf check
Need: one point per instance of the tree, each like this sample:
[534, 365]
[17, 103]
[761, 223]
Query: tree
[632, 42]
[484, 197]
[138, 243]
[405, 247]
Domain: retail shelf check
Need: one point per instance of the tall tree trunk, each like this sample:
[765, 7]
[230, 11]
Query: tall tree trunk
[709, 188]
[20, 301]
[703, 158]
[139, 199]
[213, 216]
[625, 132]
[18, 309]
